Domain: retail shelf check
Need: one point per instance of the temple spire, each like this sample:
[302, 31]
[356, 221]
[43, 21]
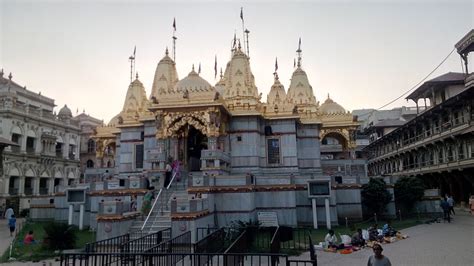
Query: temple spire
[299, 53]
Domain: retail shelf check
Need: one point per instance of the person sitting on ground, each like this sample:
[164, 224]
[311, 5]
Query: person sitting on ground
[29, 238]
[374, 233]
[331, 239]
[357, 239]
[387, 230]
[378, 259]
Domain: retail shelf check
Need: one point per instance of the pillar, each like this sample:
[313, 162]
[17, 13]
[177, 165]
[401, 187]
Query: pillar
[21, 185]
[212, 143]
[71, 211]
[81, 216]
[7, 185]
[51, 186]
[36, 182]
[23, 143]
[160, 143]
[315, 214]
[328, 213]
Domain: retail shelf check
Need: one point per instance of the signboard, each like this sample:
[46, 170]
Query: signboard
[267, 219]
[319, 188]
[113, 184]
[76, 196]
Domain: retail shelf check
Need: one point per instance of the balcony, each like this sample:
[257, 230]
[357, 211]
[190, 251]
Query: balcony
[43, 191]
[30, 150]
[13, 191]
[16, 149]
[28, 191]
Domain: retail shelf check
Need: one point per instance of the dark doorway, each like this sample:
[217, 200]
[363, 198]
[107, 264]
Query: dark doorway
[196, 143]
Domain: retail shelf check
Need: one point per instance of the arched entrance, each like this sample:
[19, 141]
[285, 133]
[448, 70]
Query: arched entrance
[195, 143]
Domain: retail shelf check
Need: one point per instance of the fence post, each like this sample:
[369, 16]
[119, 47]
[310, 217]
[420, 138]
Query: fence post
[375, 217]
[347, 224]
[400, 214]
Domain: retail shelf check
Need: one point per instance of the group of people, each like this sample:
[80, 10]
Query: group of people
[447, 204]
[171, 168]
[358, 240]
[10, 217]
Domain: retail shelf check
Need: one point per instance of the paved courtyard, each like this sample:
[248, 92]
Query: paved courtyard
[428, 244]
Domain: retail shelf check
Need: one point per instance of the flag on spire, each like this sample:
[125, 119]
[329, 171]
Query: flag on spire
[134, 51]
[242, 13]
[215, 67]
[235, 41]
[299, 44]
[276, 64]
[174, 24]
[199, 69]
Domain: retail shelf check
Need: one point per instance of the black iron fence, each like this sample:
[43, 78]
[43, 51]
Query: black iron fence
[202, 232]
[109, 245]
[193, 259]
[290, 238]
[143, 243]
[174, 248]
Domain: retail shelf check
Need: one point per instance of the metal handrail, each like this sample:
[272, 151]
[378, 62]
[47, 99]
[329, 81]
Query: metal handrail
[156, 200]
[152, 207]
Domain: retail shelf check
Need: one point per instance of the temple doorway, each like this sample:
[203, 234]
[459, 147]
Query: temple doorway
[195, 142]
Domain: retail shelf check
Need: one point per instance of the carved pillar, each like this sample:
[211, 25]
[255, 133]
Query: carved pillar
[51, 186]
[23, 143]
[36, 184]
[212, 143]
[174, 148]
[21, 185]
[160, 143]
[7, 185]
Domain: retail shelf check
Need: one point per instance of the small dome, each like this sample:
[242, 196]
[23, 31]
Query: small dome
[193, 82]
[165, 78]
[331, 107]
[65, 112]
[277, 93]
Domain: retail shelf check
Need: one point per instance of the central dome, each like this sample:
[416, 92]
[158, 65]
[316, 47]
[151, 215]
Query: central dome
[193, 82]
[331, 107]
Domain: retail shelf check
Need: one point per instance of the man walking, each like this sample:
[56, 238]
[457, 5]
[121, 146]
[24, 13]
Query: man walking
[445, 206]
[8, 213]
[450, 201]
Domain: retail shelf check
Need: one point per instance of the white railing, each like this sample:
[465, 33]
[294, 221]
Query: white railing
[156, 200]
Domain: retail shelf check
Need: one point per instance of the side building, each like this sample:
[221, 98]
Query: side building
[47, 156]
[438, 144]
[88, 125]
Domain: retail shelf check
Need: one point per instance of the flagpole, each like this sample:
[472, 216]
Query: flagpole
[132, 63]
[243, 25]
[174, 40]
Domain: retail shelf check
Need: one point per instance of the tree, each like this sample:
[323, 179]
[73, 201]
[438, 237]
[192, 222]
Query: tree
[375, 195]
[59, 236]
[408, 190]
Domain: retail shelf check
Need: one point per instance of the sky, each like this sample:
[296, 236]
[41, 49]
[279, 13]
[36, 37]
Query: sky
[363, 53]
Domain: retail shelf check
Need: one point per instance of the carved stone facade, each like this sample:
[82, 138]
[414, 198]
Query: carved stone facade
[47, 156]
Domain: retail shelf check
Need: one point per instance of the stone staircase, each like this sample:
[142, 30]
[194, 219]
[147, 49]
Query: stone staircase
[160, 215]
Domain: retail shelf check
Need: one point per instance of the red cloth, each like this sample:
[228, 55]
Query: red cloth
[28, 239]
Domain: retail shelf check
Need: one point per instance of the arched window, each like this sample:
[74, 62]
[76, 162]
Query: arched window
[90, 164]
[90, 146]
